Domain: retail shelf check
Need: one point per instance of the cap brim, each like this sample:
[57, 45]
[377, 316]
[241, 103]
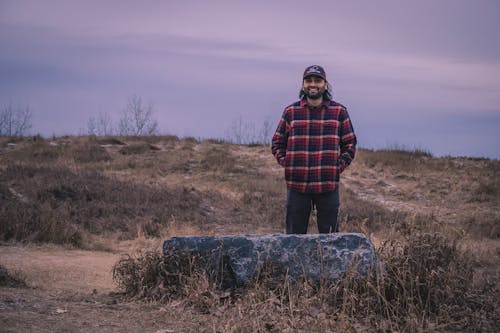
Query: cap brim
[313, 74]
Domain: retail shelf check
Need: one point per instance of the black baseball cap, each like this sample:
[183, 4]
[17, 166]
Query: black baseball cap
[315, 70]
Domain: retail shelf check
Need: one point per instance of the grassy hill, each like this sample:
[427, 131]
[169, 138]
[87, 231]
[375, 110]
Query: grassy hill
[82, 190]
[437, 216]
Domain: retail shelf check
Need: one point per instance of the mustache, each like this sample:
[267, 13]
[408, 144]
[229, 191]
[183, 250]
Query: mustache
[327, 93]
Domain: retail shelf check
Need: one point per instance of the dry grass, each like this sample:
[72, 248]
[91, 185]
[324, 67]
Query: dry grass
[459, 195]
[69, 191]
[436, 220]
[12, 280]
[62, 206]
[138, 148]
[402, 158]
[427, 285]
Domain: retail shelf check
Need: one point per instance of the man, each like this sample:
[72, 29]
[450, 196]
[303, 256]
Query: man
[314, 142]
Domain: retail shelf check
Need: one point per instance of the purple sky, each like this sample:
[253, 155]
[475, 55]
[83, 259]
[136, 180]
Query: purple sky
[420, 74]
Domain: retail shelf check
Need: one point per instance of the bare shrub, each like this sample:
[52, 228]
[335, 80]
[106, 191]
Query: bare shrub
[426, 285]
[11, 280]
[421, 270]
[100, 126]
[428, 278]
[240, 132]
[266, 131]
[137, 119]
[15, 121]
[245, 132]
[151, 276]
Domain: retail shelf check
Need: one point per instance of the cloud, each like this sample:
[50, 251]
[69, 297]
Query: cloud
[203, 64]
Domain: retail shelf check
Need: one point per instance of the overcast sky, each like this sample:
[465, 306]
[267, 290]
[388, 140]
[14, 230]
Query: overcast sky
[420, 74]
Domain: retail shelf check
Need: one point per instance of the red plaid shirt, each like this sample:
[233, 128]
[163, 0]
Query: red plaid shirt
[314, 145]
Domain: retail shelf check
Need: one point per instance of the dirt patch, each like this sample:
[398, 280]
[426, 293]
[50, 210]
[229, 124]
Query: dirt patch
[44, 311]
[59, 269]
[73, 291]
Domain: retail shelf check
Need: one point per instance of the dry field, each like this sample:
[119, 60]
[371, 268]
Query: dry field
[75, 210]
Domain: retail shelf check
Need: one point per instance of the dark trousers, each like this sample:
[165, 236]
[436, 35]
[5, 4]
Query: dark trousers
[298, 210]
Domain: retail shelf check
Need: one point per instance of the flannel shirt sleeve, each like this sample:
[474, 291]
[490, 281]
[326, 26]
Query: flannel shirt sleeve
[347, 142]
[280, 139]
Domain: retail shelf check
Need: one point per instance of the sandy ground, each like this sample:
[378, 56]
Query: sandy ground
[73, 291]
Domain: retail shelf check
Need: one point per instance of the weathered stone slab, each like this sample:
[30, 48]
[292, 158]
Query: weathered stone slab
[240, 258]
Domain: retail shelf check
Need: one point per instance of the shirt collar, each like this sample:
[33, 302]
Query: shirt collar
[304, 103]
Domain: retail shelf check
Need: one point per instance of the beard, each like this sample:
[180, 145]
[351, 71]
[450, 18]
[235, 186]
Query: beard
[316, 95]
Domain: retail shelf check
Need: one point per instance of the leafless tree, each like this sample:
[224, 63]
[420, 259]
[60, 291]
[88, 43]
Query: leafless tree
[241, 132]
[266, 131]
[102, 125]
[137, 119]
[92, 126]
[244, 132]
[15, 121]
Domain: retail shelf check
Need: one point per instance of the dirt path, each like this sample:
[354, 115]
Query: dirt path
[55, 268]
[73, 291]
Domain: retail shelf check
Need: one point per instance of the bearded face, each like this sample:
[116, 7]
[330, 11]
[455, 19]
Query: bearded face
[314, 87]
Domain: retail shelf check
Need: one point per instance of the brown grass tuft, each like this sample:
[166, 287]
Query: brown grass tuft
[108, 140]
[404, 158]
[486, 191]
[89, 153]
[151, 276]
[218, 159]
[426, 285]
[138, 148]
[11, 280]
